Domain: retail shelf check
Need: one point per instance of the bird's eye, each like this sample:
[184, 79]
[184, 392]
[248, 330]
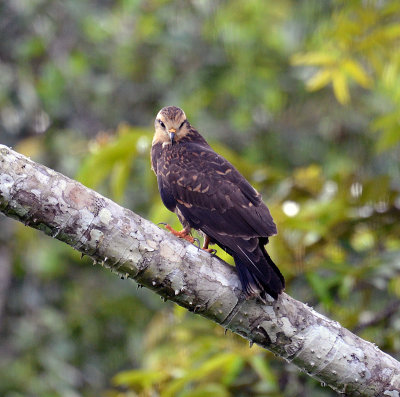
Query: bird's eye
[161, 123]
[183, 122]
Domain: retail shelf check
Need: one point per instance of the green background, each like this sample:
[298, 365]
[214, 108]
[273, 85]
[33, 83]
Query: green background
[302, 96]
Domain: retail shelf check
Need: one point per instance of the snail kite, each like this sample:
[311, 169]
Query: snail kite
[209, 194]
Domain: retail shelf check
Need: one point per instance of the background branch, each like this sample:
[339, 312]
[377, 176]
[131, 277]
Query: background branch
[136, 248]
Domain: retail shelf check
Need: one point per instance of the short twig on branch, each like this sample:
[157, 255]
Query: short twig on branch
[177, 270]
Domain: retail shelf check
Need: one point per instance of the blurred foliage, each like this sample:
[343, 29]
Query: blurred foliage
[208, 364]
[302, 96]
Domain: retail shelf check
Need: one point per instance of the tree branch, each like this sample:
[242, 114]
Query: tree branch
[134, 247]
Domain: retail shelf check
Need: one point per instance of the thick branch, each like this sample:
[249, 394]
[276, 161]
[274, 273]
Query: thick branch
[136, 248]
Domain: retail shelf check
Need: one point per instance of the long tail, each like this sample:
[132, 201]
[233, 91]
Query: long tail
[257, 272]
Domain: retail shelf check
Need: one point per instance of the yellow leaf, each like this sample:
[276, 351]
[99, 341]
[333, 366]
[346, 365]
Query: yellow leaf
[319, 80]
[390, 73]
[385, 122]
[340, 87]
[313, 58]
[388, 139]
[391, 32]
[394, 285]
[309, 178]
[390, 9]
[356, 71]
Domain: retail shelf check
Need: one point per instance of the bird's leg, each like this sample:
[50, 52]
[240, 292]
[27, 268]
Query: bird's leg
[184, 233]
[207, 241]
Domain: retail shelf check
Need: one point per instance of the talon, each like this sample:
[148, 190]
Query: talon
[173, 231]
[207, 241]
[185, 234]
[162, 223]
[196, 242]
[188, 238]
[211, 251]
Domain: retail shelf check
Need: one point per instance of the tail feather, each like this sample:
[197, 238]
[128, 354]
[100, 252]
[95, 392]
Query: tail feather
[258, 274]
[273, 266]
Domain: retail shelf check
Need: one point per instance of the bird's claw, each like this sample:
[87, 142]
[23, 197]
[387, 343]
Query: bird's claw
[186, 235]
[211, 251]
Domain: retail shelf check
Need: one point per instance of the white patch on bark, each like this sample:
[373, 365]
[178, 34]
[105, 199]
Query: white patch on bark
[52, 200]
[42, 178]
[60, 187]
[6, 184]
[392, 393]
[96, 235]
[105, 216]
[152, 245]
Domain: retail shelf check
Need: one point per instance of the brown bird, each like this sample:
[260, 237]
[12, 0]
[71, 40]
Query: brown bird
[208, 193]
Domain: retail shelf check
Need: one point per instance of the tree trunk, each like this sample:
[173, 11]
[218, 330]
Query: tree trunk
[134, 247]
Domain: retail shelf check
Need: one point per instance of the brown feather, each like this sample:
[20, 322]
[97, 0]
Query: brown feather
[210, 195]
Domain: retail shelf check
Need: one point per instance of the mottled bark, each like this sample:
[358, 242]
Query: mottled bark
[136, 248]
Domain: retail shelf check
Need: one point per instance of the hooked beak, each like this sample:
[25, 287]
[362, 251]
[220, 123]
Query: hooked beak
[171, 132]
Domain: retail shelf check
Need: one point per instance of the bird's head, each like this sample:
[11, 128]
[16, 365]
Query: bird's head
[170, 125]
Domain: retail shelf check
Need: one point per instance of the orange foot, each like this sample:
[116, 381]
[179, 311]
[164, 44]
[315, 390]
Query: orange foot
[205, 246]
[185, 234]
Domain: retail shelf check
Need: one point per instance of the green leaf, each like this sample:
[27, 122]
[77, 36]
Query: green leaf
[99, 165]
[260, 365]
[139, 378]
[232, 370]
[389, 127]
[217, 363]
[208, 390]
[119, 177]
[388, 139]
[322, 285]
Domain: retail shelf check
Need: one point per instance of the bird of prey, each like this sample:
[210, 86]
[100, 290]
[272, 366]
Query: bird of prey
[208, 194]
